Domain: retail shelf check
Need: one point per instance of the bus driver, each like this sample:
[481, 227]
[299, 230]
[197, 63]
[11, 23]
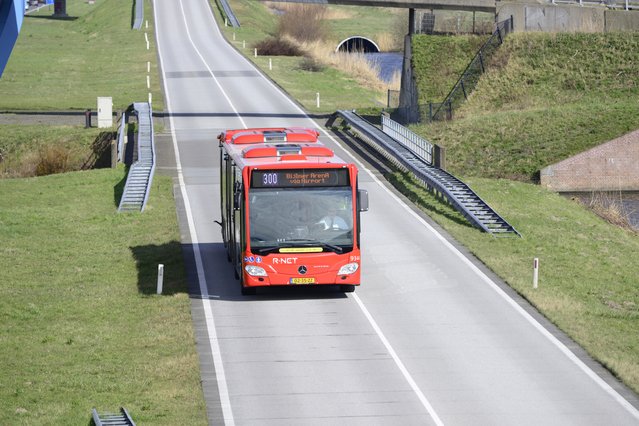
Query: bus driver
[333, 222]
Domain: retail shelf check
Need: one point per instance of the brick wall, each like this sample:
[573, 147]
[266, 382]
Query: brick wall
[612, 166]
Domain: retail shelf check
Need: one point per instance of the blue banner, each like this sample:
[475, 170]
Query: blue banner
[11, 16]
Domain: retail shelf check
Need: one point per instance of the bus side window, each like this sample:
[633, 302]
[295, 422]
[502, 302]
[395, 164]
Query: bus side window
[237, 195]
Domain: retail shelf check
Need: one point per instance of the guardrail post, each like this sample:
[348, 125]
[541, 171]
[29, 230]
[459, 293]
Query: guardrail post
[439, 157]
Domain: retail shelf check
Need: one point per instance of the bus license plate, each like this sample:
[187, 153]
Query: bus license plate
[303, 280]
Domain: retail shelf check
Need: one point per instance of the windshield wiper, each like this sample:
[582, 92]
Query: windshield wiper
[298, 242]
[265, 250]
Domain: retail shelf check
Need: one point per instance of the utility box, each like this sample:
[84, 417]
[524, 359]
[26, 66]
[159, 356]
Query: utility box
[105, 112]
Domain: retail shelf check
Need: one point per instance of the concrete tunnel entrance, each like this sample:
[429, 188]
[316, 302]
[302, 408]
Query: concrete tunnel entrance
[357, 44]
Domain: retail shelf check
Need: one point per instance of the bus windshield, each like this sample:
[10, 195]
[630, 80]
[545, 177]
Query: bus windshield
[301, 217]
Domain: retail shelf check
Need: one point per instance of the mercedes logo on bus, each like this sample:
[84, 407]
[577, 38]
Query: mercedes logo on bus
[302, 269]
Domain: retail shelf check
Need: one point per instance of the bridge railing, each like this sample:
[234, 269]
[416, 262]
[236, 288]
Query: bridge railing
[612, 4]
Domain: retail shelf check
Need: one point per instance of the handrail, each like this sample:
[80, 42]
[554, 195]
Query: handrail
[475, 66]
[458, 194]
[408, 138]
[151, 136]
[610, 4]
[121, 130]
[140, 176]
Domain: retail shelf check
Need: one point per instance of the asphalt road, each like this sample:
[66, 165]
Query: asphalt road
[429, 337]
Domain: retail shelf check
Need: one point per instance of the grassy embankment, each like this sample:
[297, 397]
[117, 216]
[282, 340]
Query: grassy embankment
[80, 324]
[65, 64]
[556, 95]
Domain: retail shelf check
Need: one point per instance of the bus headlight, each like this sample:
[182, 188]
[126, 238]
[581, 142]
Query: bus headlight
[255, 271]
[349, 268]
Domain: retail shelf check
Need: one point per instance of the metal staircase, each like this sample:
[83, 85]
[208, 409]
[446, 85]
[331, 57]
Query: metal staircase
[112, 419]
[458, 194]
[138, 182]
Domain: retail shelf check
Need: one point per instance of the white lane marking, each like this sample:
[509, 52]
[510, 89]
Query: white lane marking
[398, 362]
[563, 348]
[188, 34]
[225, 401]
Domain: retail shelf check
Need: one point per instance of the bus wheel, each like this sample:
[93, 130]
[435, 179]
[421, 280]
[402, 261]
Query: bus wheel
[347, 288]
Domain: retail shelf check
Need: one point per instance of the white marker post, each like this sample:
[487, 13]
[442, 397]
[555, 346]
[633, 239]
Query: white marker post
[318, 100]
[535, 272]
[255, 50]
[270, 64]
[160, 277]
[243, 44]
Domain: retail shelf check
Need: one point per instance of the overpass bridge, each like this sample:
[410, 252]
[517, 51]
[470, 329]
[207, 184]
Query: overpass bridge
[465, 5]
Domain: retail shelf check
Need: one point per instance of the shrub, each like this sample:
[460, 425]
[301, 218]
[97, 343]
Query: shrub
[311, 64]
[52, 159]
[304, 22]
[277, 47]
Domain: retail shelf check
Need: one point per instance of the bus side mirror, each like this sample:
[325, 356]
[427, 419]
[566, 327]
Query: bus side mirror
[362, 195]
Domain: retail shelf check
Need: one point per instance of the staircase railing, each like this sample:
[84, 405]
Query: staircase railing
[469, 78]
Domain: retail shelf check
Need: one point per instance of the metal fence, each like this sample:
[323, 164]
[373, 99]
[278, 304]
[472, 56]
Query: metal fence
[612, 4]
[418, 145]
[470, 76]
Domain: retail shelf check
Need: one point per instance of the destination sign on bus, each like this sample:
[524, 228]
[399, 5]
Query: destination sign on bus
[298, 178]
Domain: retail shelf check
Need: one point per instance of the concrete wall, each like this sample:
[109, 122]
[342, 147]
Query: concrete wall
[612, 166]
[622, 20]
[531, 16]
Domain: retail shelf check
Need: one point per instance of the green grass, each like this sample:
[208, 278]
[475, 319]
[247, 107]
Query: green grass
[545, 98]
[337, 90]
[66, 64]
[80, 323]
[435, 77]
[518, 144]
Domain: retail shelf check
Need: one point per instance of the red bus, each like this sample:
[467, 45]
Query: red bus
[290, 209]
